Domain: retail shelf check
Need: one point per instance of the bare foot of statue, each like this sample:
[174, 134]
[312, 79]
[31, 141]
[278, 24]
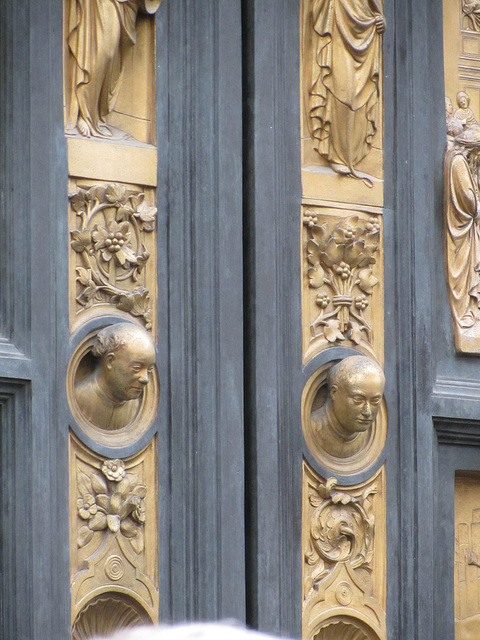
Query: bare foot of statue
[83, 127]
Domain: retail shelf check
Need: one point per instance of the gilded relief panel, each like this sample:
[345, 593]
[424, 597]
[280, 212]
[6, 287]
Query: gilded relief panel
[113, 541]
[112, 381]
[467, 555]
[342, 109]
[344, 558]
[109, 80]
[344, 416]
[112, 252]
[342, 292]
[461, 202]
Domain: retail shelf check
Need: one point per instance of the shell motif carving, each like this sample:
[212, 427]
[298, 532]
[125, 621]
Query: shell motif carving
[342, 630]
[107, 614]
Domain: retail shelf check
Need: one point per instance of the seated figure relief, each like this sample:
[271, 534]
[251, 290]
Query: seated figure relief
[100, 35]
[341, 427]
[110, 396]
[462, 161]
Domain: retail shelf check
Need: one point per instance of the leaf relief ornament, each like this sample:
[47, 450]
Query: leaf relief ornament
[112, 500]
[109, 239]
[341, 529]
[340, 263]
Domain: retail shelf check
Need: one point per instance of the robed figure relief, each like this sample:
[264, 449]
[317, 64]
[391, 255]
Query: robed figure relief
[100, 36]
[344, 94]
[462, 203]
[471, 11]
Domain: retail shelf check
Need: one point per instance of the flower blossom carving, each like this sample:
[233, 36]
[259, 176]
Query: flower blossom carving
[109, 240]
[111, 501]
[340, 259]
[341, 529]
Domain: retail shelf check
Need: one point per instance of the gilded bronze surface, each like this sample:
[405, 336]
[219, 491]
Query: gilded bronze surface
[342, 293]
[344, 551]
[112, 252]
[344, 94]
[341, 404]
[467, 555]
[110, 396]
[342, 119]
[100, 37]
[113, 538]
[462, 159]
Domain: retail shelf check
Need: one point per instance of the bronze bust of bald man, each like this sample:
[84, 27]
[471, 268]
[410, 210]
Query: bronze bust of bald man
[341, 427]
[110, 397]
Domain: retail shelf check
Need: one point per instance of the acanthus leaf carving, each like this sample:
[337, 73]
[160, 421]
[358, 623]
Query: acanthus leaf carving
[341, 529]
[109, 240]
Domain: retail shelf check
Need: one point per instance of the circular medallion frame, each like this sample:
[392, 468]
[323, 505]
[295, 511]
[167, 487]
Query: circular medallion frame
[313, 397]
[78, 368]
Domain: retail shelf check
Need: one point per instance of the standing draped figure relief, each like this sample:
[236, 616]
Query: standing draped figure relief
[344, 95]
[100, 36]
[462, 209]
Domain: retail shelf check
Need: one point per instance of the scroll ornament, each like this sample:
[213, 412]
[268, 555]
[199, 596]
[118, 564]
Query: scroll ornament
[111, 501]
[113, 253]
[341, 260]
[341, 530]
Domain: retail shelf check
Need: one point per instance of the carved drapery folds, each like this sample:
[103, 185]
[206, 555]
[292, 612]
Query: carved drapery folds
[344, 558]
[112, 239]
[462, 159]
[344, 93]
[101, 37]
[342, 122]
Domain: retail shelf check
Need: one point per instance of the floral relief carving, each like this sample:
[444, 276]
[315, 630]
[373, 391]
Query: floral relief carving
[341, 529]
[340, 257]
[111, 501]
[344, 558]
[111, 242]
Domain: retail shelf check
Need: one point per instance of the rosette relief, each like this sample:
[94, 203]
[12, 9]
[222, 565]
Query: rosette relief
[113, 515]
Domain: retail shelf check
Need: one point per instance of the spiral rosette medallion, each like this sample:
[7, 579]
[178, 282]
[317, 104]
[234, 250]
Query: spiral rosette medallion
[114, 568]
[343, 593]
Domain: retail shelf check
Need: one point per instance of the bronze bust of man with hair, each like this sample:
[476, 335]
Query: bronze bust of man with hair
[110, 397]
[355, 389]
